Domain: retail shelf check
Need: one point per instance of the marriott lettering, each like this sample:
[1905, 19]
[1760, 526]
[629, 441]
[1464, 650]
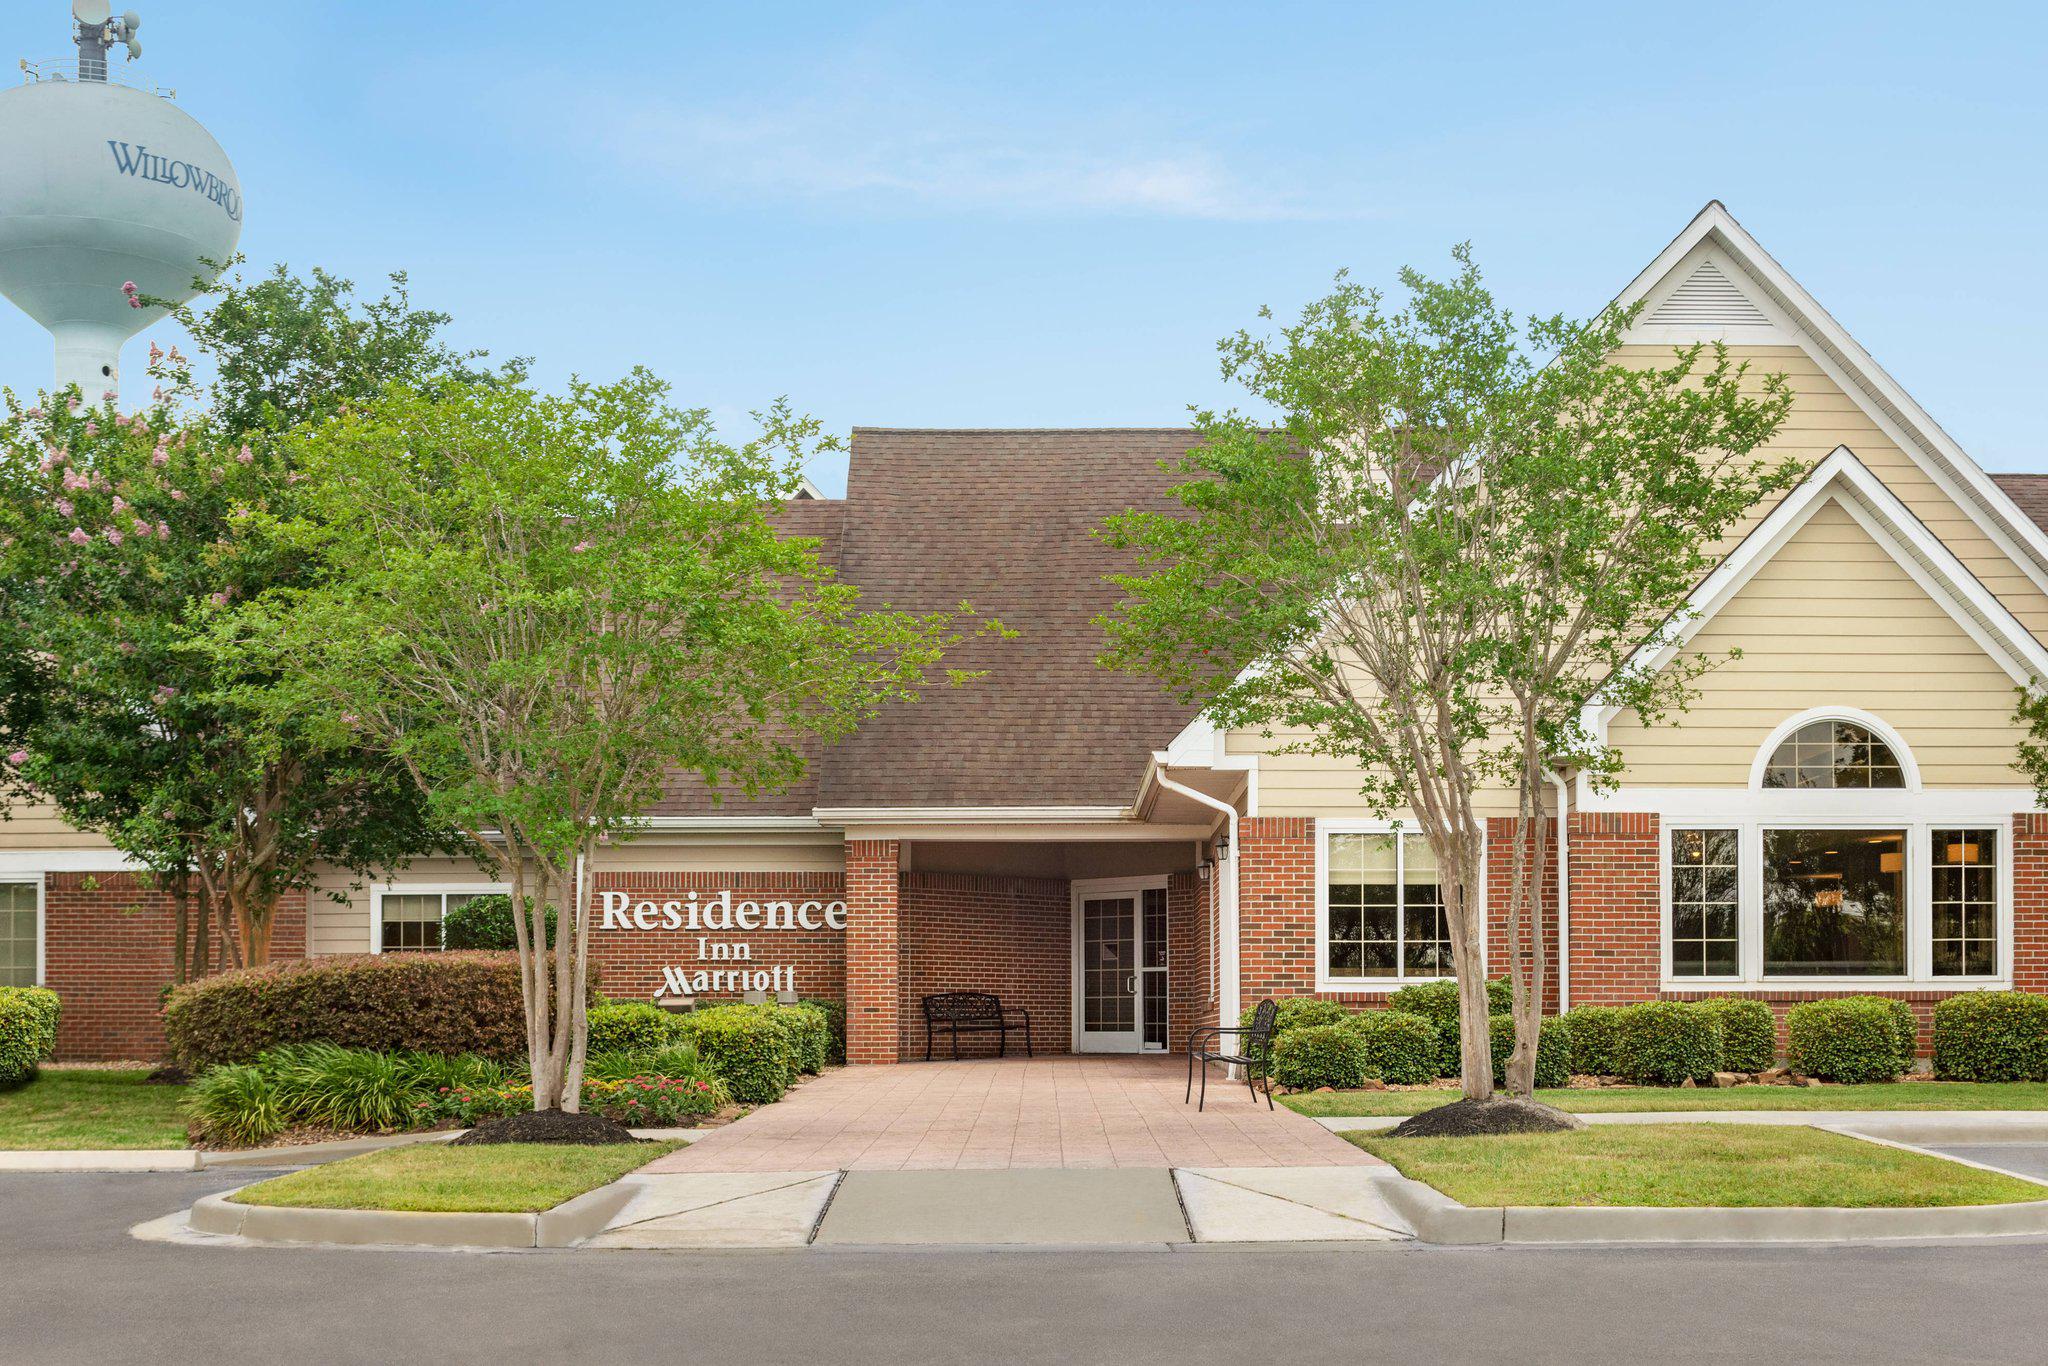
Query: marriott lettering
[143, 164]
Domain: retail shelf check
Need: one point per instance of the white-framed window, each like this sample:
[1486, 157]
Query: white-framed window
[21, 934]
[1380, 920]
[408, 919]
[1840, 871]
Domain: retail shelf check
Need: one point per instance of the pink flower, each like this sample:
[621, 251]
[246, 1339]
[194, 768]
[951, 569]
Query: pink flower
[127, 286]
[120, 503]
[92, 429]
[109, 395]
[163, 529]
[246, 455]
[349, 718]
[143, 528]
[177, 495]
[113, 535]
[71, 402]
[165, 691]
[134, 302]
[78, 537]
[160, 457]
[34, 414]
[64, 508]
[218, 599]
[579, 547]
[126, 647]
[18, 758]
[156, 353]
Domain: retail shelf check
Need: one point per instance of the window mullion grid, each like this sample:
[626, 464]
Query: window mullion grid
[1749, 918]
[1400, 905]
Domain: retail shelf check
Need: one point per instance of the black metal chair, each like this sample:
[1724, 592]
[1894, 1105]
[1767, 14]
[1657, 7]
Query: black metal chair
[1254, 1052]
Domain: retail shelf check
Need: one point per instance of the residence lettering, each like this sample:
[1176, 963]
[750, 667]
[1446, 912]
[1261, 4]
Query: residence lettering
[722, 914]
[138, 161]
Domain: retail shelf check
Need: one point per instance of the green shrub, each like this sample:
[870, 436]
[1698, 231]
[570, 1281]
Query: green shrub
[629, 1027]
[449, 1003]
[677, 1062]
[1592, 1030]
[835, 1017]
[1663, 1043]
[1847, 1039]
[1400, 1048]
[751, 1053]
[235, 1106]
[485, 922]
[1749, 1032]
[1905, 1027]
[1991, 1036]
[350, 1089]
[1437, 1002]
[1292, 1012]
[28, 1031]
[1553, 1050]
[810, 1035]
[1314, 1055]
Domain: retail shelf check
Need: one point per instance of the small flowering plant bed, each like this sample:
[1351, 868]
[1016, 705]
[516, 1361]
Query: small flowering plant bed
[1905, 1095]
[1692, 1165]
[503, 1178]
[640, 1102]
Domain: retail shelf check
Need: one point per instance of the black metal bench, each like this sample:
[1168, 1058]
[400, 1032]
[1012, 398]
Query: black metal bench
[973, 1012]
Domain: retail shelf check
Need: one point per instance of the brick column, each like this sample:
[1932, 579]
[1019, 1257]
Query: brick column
[2030, 901]
[873, 960]
[1617, 904]
[1500, 892]
[1276, 909]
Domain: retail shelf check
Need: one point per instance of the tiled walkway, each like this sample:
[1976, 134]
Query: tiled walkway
[988, 1114]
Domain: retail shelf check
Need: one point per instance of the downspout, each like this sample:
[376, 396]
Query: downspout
[1564, 893]
[1226, 951]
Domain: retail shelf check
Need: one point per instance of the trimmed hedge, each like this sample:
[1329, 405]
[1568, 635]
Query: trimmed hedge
[1991, 1036]
[1847, 1039]
[1319, 1055]
[808, 1030]
[1437, 1002]
[1749, 1032]
[1294, 1012]
[1553, 1050]
[835, 1019]
[1400, 1048]
[28, 1031]
[393, 1003]
[630, 1027]
[485, 922]
[747, 1047]
[1592, 1030]
[1663, 1043]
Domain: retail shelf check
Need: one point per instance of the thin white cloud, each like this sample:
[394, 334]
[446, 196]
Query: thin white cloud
[894, 157]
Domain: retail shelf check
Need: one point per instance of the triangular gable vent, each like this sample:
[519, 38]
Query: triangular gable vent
[1708, 299]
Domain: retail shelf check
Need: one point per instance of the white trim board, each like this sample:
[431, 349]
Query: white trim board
[1843, 479]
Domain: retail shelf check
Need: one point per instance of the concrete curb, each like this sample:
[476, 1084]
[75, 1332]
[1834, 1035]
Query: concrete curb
[100, 1160]
[565, 1225]
[1924, 1126]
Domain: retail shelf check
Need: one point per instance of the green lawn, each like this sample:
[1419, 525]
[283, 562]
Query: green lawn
[495, 1178]
[92, 1109]
[1691, 1164]
[1906, 1095]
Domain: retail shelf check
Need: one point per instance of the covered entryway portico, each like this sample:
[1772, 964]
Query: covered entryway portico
[1105, 927]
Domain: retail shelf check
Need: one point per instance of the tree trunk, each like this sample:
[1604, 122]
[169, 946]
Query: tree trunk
[1475, 1026]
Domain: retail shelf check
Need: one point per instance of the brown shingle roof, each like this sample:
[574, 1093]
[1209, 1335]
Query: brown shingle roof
[2030, 491]
[1001, 519]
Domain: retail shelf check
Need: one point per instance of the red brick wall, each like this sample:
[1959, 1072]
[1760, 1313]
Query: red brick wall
[1276, 908]
[873, 955]
[107, 951]
[1617, 908]
[1188, 955]
[1009, 935]
[2030, 901]
[630, 961]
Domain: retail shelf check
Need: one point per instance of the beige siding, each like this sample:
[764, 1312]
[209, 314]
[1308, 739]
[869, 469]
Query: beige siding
[345, 925]
[39, 827]
[1833, 620]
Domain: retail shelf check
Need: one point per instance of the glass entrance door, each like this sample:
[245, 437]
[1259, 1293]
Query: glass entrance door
[1121, 950]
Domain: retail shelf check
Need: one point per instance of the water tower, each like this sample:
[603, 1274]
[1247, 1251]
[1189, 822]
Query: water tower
[103, 183]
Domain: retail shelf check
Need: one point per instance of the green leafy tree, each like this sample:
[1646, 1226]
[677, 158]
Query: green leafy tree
[543, 607]
[121, 536]
[1373, 572]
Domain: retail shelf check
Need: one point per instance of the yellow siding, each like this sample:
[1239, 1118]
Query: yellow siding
[39, 827]
[1833, 620]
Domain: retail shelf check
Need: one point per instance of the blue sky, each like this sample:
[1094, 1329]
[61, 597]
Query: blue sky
[1045, 215]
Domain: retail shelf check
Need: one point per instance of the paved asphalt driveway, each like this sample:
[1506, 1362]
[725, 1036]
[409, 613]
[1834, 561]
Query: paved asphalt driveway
[74, 1287]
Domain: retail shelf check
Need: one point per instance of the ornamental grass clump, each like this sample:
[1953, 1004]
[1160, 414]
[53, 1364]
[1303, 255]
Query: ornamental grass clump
[1991, 1036]
[1666, 1043]
[1400, 1049]
[347, 1089]
[1851, 1039]
[236, 1106]
[28, 1031]
[1319, 1055]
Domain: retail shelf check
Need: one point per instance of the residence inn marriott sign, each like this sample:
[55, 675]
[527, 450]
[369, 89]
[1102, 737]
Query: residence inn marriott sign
[1079, 844]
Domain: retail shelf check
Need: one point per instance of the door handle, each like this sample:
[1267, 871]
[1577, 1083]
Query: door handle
[1131, 984]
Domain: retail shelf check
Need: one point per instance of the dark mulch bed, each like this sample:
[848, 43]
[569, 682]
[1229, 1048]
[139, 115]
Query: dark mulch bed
[1498, 1115]
[170, 1074]
[548, 1126]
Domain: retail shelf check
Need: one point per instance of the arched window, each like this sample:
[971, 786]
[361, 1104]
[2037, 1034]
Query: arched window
[1832, 753]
